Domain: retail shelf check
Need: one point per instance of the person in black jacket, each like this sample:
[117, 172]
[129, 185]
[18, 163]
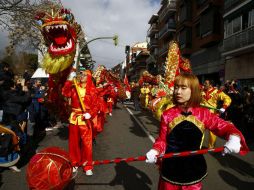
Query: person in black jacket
[15, 102]
[135, 95]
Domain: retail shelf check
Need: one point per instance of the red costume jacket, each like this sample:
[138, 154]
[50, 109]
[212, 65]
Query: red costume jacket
[89, 99]
[184, 131]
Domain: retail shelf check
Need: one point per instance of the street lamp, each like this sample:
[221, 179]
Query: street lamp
[114, 38]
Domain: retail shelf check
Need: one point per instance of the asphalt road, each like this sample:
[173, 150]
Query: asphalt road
[124, 136]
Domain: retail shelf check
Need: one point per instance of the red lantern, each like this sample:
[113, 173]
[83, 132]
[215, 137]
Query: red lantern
[49, 169]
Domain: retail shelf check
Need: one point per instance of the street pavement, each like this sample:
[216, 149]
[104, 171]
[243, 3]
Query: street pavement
[124, 136]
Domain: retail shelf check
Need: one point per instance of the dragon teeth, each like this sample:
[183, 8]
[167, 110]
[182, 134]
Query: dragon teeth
[62, 26]
[68, 46]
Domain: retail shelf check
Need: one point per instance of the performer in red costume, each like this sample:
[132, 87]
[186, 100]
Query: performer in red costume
[112, 98]
[110, 105]
[102, 107]
[182, 129]
[82, 94]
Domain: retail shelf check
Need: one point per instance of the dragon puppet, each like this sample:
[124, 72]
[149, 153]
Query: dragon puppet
[174, 65]
[106, 77]
[60, 32]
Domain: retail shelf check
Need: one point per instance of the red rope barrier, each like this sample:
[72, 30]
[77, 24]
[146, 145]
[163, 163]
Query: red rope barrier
[169, 155]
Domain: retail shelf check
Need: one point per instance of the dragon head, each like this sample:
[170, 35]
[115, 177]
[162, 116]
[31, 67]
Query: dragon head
[60, 32]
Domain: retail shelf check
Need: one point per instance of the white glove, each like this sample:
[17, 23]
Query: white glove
[222, 110]
[87, 115]
[151, 156]
[71, 75]
[233, 145]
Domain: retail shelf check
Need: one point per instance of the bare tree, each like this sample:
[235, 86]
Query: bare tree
[7, 7]
[17, 16]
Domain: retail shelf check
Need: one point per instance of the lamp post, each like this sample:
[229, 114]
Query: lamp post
[114, 38]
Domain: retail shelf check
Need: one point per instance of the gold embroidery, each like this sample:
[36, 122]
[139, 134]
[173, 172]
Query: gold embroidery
[189, 118]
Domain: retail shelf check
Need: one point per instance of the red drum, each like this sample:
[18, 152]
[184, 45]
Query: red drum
[49, 169]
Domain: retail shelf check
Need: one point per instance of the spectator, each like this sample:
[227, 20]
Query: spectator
[26, 76]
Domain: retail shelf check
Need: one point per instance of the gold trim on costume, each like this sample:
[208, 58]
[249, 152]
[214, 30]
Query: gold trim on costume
[190, 183]
[189, 118]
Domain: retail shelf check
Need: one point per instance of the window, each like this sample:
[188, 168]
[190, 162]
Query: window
[245, 20]
[237, 24]
[207, 23]
[251, 18]
[233, 26]
[228, 29]
[185, 38]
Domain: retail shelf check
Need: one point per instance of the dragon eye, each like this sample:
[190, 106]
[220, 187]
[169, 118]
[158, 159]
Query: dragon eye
[68, 17]
[39, 22]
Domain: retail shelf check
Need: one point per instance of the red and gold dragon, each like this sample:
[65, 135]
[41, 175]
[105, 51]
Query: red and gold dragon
[60, 32]
[174, 65]
[104, 76]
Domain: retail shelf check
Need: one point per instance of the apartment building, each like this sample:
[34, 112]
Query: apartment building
[153, 45]
[136, 57]
[216, 36]
[197, 25]
[161, 32]
[199, 32]
[238, 42]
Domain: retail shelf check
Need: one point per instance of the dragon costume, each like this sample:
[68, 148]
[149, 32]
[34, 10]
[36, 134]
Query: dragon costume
[104, 76]
[174, 65]
[60, 32]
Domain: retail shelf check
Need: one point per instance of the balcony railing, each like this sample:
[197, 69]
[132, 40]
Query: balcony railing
[170, 7]
[152, 29]
[154, 42]
[239, 40]
[169, 27]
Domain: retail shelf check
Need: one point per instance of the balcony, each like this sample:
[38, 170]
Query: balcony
[169, 27]
[240, 42]
[171, 7]
[152, 30]
[152, 44]
[210, 40]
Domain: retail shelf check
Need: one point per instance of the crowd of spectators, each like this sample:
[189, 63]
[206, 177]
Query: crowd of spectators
[22, 111]
[241, 109]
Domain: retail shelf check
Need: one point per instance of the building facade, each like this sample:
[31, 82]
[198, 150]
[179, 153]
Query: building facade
[136, 56]
[200, 33]
[197, 25]
[238, 43]
[161, 32]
